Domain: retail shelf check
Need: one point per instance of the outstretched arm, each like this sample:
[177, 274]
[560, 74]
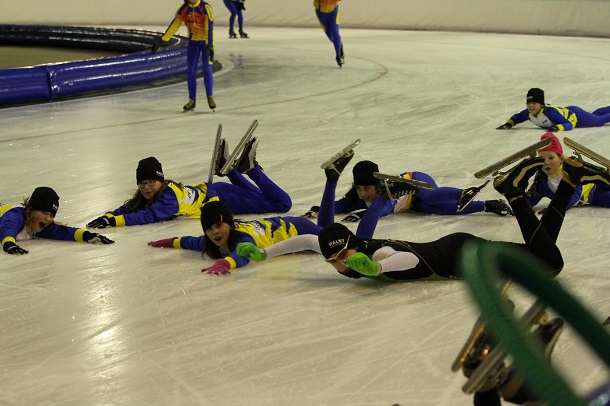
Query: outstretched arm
[305, 242]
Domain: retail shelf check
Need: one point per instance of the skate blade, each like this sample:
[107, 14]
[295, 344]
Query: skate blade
[477, 330]
[581, 149]
[215, 154]
[329, 163]
[239, 148]
[399, 179]
[484, 371]
[524, 153]
[463, 205]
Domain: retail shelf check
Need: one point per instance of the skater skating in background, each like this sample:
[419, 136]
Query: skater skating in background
[158, 199]
[222, 233]
[368, 200]
[198, 17]
[329, 15]
[236, 8]
[556, 118]
[395, 260]
[36, 218]
[548, 178]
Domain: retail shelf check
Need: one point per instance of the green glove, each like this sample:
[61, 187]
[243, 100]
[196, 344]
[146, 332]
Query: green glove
[251, 251]
[361, 263]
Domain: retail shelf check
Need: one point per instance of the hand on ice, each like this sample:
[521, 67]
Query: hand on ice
[505, 126]
[102, 222]
[164, 243]
[361, 263]
[95, 238]
[220, 267]
[11, 248]
[251, 251]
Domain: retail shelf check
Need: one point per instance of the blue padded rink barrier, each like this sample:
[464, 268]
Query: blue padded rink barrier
[129, 324]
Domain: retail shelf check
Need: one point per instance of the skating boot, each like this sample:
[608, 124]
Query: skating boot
[579, 172]
[232, 33]
[340, 60]
[247, 160]
[515, 181]
[499, 207]
[312, 213]
[242, 34]
[221, 159]
[338, 165]
[211, 102]
[190, 105]
[468, 195]
[395, 190]
[511, 387]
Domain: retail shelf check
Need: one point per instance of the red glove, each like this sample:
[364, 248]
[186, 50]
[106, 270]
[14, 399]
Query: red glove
[164, 243]
[220, 267]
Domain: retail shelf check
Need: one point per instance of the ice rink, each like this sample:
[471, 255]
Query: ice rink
[130, 324]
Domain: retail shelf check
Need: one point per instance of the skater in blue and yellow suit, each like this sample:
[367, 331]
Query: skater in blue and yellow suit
[547, 179]
[556, 118]
[36, 218]
[329, 15]
[222, 234]
[198, 17]
[158, 199]
[235, 8]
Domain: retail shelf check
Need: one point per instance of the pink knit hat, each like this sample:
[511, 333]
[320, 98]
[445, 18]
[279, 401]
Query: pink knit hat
[554, 146]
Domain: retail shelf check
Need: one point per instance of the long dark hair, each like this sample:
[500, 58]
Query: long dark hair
[138, 201]
[352, 195]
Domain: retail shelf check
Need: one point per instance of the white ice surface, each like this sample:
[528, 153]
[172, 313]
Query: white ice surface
[129, 324]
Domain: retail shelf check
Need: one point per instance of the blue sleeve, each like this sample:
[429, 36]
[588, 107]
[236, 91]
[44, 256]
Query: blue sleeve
[192, 243]
[558, 118]
[233, 258]
[367, 225]
[164, 208]
[343, 206]
[11, 223]
[60, 232]
[520, 117]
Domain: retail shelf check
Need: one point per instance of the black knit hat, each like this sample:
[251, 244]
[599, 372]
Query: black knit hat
[363, 173]
[336, 237]
[214, 212]
[149, 169]
[535, 95]
[44, 199]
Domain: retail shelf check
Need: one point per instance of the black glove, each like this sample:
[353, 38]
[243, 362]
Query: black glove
[158, 44]
[11, 248]
[95, 238]
[242, 5]
[554, 129]
[102, 222]
[355, 216]
[312, 213]
[505, 126]
[210, 48]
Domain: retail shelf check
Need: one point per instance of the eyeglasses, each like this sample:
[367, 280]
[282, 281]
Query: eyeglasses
[149, 183]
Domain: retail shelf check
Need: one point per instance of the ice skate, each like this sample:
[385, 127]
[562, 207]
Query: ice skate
[222, 157]
[515, 181]
[468, 195]
[338, 165]
[330, 162]
[397, 186]
[578, 171]
[499, 207]
[247, 160]
[232, 33]
[492, 370]
[312, 213]
[581, 149]
[211, 102]
[511, 387]
[190, 105]
[340, 61]
[530, 152]
[232, 160]
[216, 153]
[242, 34]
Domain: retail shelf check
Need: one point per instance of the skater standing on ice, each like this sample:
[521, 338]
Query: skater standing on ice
[556, 118]
[548, 178]
[329, 15]
[368, 199]
[222, 233]
[36, 218]
[199, 20]
[236, 8]
[395, 260]
[158, 199]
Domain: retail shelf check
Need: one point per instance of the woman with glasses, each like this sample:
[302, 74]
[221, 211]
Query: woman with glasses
[158, 199]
